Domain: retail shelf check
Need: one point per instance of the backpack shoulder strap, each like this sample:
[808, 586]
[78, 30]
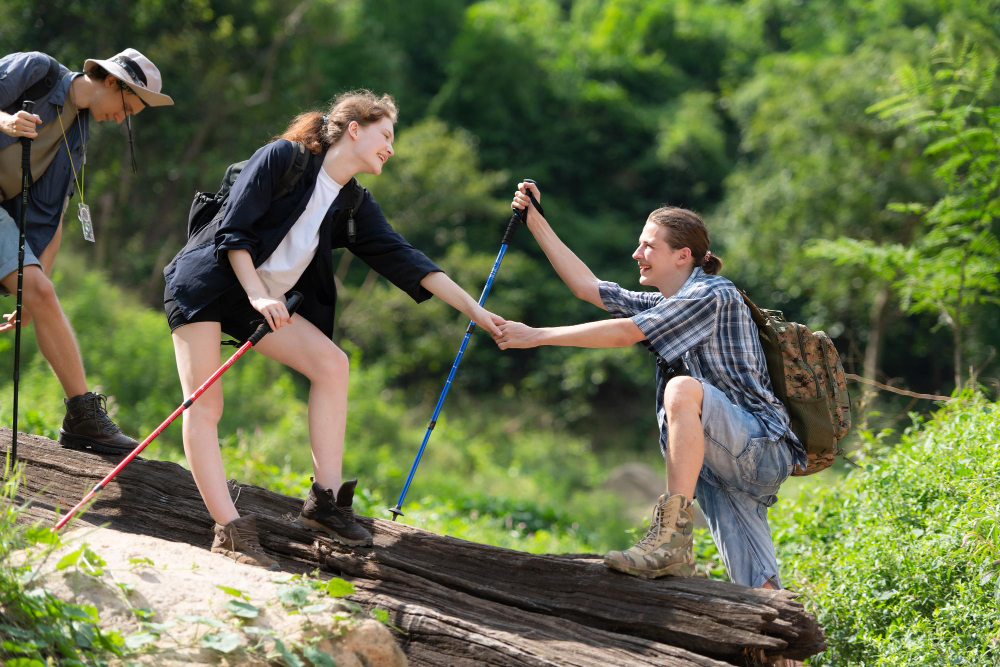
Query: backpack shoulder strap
[352, 230]
[755, 314]
[293, 173]
[38, 89]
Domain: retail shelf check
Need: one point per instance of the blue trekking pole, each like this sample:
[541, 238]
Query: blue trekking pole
[515, 220]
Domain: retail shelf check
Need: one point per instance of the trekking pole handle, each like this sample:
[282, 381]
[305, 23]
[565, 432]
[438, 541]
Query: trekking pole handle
[520, 216]
[25, 141]
[293, 303]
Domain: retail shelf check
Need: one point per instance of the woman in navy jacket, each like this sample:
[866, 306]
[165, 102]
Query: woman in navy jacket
[238, 270]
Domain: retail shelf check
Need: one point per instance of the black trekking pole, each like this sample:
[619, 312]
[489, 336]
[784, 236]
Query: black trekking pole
[25, 183]
[515, 220]
[294, 301]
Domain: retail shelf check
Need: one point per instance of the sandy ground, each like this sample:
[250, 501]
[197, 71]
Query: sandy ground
[179, 580]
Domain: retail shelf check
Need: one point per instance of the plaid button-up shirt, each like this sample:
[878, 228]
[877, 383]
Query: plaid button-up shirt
[708, 325]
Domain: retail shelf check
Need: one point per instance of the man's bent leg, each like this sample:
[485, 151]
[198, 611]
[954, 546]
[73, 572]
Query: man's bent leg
[667, 547]
[739, 481]
[686, 437]
[738, 524]
[55, 337]
[87, 423]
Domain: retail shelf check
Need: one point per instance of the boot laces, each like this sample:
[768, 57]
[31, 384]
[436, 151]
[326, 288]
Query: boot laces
[248, 536]
[97, 408]
[346, 512]
[656, 523]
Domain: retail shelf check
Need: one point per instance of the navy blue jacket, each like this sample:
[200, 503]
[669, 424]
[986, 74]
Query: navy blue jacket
[201, 272]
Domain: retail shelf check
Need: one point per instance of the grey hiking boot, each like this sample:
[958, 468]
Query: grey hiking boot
[238, 540]
[87, 425]
[666, 549]
[335, 516]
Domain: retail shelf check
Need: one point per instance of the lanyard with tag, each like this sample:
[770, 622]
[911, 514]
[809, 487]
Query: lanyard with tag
[83, 210]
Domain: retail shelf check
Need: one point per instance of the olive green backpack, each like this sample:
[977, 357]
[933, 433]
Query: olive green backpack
[807, 376]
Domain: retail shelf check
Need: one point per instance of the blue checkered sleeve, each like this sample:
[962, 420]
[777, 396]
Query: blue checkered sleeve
[621, 302]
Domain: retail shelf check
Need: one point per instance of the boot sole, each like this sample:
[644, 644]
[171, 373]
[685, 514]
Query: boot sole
[73, 441]
[317, 527]
[675, 570]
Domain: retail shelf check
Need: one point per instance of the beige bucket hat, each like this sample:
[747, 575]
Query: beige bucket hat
[139, 75]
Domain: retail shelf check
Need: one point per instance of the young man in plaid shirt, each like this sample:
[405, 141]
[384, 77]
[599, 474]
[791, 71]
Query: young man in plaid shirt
[725, 436]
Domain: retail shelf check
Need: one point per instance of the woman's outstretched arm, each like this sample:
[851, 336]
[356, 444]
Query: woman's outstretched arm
[443, 287]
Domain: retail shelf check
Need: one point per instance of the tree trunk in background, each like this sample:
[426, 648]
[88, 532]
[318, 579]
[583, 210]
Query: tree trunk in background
[877, 322]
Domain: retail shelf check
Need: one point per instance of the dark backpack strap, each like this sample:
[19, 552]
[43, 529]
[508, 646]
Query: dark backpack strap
[755, 314]
[39, 89]
[293, 173]
[352, 230]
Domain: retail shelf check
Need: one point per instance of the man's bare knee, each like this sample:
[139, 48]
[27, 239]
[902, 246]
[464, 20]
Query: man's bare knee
[39, 293]
[683, 394]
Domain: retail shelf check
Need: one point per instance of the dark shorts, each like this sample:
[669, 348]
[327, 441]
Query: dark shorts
[232, 310]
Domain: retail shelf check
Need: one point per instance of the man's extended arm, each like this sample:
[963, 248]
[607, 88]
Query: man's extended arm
[606, 333]
[577, 275]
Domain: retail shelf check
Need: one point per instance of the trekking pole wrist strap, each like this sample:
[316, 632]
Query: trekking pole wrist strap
[520, 216]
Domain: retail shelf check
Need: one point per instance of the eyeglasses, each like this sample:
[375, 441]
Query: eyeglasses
[122, 87]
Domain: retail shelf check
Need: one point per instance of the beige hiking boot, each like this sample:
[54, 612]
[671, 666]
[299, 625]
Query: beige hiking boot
[238, 540]
[666, 548]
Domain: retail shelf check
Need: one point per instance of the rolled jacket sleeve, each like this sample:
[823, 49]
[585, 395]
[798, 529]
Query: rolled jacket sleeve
[250, 198]
[18, 72]
[387, 252]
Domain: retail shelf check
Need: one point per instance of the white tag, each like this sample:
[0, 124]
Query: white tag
[84, 214]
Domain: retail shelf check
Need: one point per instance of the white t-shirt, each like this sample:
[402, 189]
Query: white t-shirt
[285, 266]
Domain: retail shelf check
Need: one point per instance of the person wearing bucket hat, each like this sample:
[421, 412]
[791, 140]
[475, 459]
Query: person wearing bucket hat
[59, 127]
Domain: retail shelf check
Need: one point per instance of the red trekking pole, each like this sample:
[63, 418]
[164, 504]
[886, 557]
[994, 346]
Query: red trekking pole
[293, 303]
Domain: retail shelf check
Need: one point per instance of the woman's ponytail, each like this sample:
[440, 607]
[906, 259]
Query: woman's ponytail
[317, 131]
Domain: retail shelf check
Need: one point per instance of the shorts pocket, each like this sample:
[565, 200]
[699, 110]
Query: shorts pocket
[765, 462]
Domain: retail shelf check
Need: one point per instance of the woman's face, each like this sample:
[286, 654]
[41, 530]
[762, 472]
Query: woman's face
[113, 103]
[373, 145]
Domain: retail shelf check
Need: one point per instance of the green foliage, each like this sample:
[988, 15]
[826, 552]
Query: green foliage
[900, 560]
[951, 263]
[35, 626]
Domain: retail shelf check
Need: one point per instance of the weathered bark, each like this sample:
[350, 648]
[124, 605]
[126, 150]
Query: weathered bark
[459, 602]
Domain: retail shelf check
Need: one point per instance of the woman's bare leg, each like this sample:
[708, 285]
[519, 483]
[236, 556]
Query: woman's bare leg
[196, 347]
[300, 345]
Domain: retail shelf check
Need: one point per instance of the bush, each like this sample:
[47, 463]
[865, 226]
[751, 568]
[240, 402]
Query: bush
[900, 560]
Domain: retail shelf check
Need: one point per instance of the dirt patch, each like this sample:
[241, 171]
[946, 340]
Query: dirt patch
[180, 586]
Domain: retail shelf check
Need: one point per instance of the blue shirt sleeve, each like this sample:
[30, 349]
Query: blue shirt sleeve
[18, 72]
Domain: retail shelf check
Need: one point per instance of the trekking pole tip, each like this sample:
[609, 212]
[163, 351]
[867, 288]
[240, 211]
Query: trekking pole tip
[396, 511]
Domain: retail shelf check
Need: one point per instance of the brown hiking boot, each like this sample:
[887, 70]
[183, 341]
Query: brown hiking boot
[87, 425]
[238, 540]
[335, 516]
[666, 549]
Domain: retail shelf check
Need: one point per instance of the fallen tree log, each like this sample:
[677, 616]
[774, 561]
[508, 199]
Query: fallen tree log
[459, 602]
